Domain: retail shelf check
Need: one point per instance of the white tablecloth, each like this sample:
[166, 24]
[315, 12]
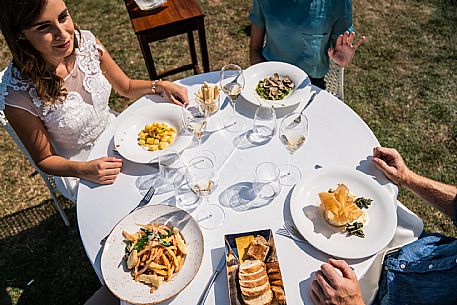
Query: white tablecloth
[337, 137]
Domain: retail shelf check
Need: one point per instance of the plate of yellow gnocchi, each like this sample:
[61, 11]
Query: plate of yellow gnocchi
[143, 135]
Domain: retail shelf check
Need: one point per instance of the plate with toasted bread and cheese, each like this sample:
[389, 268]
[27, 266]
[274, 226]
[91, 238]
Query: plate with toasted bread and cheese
[253, 271]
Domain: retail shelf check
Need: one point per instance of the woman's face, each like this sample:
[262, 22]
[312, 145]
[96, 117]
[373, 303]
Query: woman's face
[52, 34]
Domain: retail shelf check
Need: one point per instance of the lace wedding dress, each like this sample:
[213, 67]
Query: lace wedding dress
[74, 125]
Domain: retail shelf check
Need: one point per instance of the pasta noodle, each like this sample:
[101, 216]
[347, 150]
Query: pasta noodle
[154, 253]
[156, 136]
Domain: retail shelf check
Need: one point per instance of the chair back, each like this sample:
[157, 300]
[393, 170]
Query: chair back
[335, 80]
[48, 180]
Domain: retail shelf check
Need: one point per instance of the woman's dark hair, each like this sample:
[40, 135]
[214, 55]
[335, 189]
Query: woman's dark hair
[15, 17]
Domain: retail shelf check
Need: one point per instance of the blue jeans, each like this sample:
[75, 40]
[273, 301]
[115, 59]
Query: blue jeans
[423, 272]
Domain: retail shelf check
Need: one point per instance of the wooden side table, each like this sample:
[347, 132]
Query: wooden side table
[173, 18]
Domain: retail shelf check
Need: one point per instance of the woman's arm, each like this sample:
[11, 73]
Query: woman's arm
[256, 44]
[33, 135]
[135, 89]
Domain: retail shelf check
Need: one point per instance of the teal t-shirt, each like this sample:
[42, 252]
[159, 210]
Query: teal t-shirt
[301, 31]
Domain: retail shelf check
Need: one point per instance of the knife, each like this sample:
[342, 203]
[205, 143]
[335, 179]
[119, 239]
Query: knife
[210, 283]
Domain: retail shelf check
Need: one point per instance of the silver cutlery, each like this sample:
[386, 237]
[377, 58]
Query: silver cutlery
[210, 283]
[298, 119]
[142, 203]
[289, 230]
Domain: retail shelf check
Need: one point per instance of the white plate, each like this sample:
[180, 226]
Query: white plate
[309, 220]
[125, 138]
[259, 71]
[118, 278]
[149, 4]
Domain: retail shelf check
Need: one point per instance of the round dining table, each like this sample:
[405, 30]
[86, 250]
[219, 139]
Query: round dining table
[338, 137]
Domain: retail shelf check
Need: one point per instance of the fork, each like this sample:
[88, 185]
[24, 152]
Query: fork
[298, 118]
[289, 230]
[142, 203]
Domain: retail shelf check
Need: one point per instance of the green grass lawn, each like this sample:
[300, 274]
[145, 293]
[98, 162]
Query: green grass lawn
[403, 83]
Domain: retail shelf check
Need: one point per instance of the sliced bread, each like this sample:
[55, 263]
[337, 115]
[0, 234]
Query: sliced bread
[252, 276]
[262, 299]
[254, 282]
[251, 266]
[279, 294]
[255, 291]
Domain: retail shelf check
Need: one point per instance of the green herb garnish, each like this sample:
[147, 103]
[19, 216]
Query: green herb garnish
[141, 243]
[356, 229]
[164, 243]
[363, 202]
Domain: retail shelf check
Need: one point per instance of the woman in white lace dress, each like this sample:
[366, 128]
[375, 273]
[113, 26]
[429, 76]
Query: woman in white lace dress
[55, 91]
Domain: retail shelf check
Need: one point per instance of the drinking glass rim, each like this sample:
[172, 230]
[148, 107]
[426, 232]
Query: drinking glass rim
[276, 168]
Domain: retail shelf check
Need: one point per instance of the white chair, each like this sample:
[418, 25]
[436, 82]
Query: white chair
[335, 80]
[48, 180]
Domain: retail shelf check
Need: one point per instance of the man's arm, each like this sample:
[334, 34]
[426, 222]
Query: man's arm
[439, 195]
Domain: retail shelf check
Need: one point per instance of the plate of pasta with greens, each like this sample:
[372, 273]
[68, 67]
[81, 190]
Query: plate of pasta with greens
[152, 254]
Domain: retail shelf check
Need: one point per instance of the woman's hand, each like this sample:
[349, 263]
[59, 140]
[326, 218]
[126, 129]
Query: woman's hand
[390, 162]
[102, 170]
[344, 50]
[174, 93]
[330, 287]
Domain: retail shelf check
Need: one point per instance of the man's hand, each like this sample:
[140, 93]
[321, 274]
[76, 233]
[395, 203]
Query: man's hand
[344, 50]
[390, 162]
[330, 288]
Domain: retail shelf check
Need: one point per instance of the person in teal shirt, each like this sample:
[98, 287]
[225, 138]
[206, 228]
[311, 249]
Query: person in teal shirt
[305, 33]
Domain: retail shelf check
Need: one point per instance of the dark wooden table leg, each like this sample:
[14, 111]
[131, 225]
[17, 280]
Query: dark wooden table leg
[147, 57]
[203, 47]
[193, 52]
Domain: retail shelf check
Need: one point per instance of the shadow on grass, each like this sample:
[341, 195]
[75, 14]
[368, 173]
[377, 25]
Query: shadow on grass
[41, 260]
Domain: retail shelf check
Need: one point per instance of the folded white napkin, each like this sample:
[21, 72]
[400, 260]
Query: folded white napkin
[409, 228]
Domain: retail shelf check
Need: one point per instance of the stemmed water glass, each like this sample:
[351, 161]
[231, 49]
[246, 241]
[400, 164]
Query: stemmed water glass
[232, 83]
[195, 119]
[202, 179]
[293, 133]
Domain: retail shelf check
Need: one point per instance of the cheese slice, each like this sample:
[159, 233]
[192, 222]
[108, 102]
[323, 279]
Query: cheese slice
[242, 245]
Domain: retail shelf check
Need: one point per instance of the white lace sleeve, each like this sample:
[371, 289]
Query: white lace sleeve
[90, 38]
[21, 100]
[17, 93]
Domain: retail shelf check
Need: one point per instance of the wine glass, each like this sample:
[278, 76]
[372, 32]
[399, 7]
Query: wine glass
[170, 163]
[232, 83]
[195, 119]
[202, 179]
[293, 133]
[264, 122]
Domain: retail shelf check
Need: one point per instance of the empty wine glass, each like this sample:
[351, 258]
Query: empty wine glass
[202, 179]
[169, 163]
[264, 123]
[195, 119]
[293, 133]
[185, 198]
[232, 83]
[266, 183]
